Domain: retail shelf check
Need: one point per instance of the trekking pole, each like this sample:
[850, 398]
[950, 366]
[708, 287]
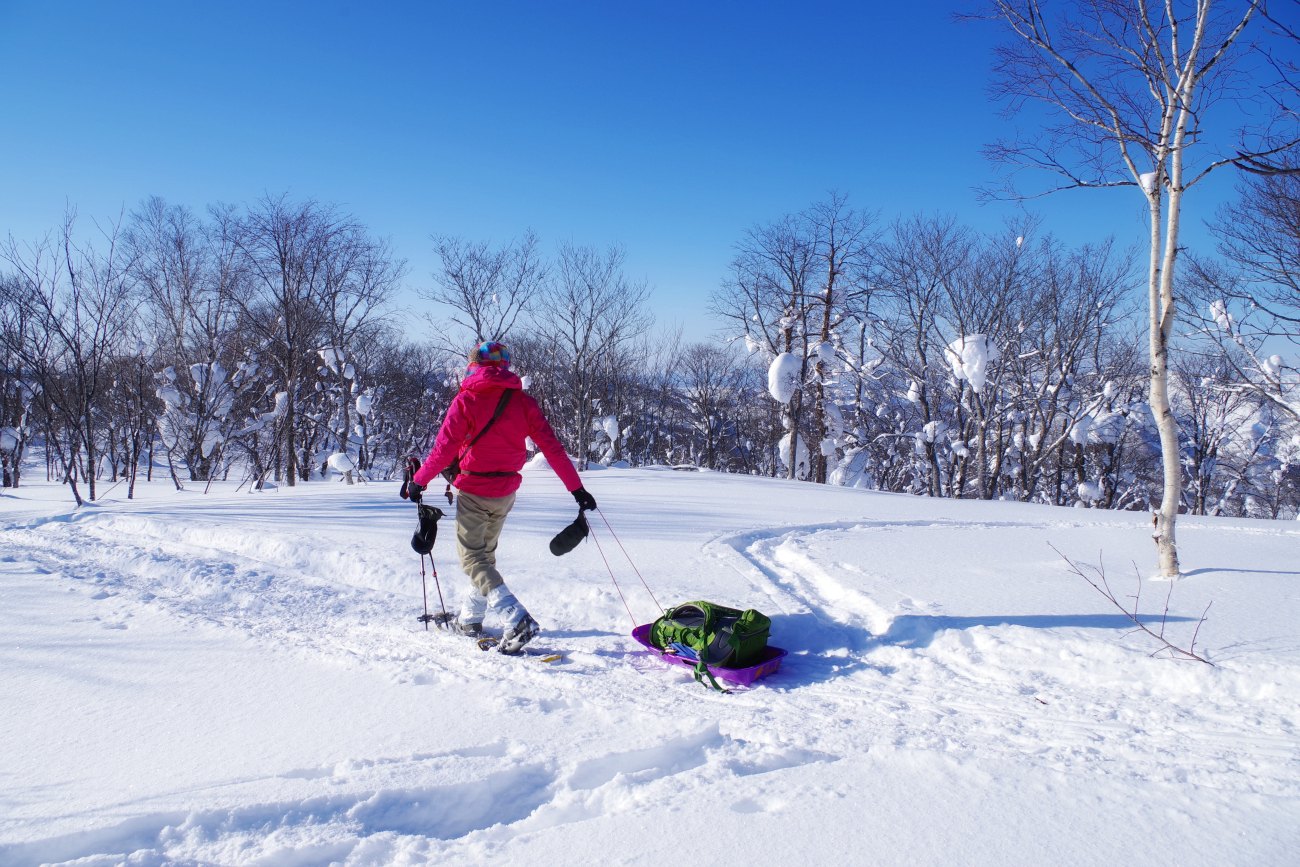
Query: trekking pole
[441, 619]
[426, 533]
[424, 588]
[445, 618]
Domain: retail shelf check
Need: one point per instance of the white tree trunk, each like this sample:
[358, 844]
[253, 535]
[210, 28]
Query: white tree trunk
[1164, 256]
[1161, 325]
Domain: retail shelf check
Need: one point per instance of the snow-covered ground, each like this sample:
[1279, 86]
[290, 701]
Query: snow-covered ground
[238, 678]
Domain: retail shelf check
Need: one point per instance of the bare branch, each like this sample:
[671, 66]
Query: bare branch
[1102, 586]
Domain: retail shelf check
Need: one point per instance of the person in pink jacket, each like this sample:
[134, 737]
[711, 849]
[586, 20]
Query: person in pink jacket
[491, 453]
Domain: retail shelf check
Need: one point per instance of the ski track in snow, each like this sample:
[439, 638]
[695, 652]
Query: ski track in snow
[927, 682]
[979, 691]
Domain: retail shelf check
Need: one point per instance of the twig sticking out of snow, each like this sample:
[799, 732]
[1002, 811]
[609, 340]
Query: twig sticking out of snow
[1102, 586]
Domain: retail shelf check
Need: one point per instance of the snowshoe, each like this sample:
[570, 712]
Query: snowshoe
[513, 639]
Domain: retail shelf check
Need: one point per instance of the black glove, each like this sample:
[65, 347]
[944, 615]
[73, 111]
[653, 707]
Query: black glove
[568, 538]
[412, 464]
[585, 500]
[414, 491]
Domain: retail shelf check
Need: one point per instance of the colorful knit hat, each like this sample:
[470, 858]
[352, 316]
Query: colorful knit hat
[490, 353]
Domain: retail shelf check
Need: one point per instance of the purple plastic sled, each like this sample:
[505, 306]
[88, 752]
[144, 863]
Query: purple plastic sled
[770, 662]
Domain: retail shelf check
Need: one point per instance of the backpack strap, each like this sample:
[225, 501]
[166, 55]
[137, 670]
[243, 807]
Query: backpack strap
[702, 671]
[450, 473]
[496, 414]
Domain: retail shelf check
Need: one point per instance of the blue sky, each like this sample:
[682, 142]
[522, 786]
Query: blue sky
[667, 127]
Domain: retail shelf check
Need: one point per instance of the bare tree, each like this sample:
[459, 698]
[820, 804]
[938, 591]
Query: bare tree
[792, 282]
[360, 276]
[188, 281]
[842, 239]
[713, 379]
[1096, 577]
[131, 413]
[920, 264]
[593, 312]
[486, 289]
[658, 430]
[1227, 440]
[17, 387]
[1066, 362]
[984, 302]
[78, 302]
[288, 251]
[1249, 300]
[1131, 88]
[767, 300]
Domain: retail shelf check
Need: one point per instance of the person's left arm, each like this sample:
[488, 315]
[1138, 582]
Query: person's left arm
[539, 429]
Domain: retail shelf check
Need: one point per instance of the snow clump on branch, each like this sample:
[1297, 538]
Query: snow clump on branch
[783, 377]
[970, 357]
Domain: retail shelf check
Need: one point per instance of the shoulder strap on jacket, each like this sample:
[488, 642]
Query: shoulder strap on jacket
[496, 414]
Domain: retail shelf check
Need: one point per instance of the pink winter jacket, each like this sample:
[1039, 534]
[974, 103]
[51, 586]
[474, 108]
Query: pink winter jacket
[502, 448]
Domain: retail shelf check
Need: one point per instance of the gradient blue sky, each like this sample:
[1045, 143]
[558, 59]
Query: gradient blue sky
[668, 127]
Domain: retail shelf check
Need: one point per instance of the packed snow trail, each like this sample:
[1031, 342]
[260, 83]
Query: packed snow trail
[993, 670]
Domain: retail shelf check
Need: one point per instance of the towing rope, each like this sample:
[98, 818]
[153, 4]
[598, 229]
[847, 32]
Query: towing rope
[630, 562]
[610, 570]
[658, 607]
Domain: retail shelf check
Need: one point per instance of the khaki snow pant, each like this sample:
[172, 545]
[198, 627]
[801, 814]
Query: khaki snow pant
[478, 526]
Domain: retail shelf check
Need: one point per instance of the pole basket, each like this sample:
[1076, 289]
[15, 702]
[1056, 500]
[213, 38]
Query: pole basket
[442, 620]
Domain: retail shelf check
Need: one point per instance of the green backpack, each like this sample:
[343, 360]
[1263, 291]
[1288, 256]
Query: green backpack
[713, 635]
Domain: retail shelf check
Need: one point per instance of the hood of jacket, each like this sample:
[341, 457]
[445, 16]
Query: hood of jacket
[486, 378]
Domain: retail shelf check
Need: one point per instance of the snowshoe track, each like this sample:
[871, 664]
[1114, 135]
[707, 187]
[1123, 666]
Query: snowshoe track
[928, 683]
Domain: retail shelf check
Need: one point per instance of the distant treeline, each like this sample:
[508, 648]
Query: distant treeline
[266, 343]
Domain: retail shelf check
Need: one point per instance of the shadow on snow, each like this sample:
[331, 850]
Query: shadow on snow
[822, 650]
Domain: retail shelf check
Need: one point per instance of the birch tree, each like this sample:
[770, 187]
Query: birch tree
[1153, 96]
